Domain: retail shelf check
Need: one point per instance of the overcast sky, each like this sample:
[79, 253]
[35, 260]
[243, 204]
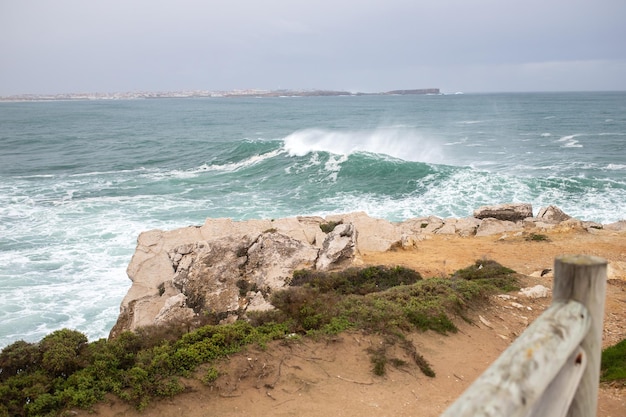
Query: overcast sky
[57, 46]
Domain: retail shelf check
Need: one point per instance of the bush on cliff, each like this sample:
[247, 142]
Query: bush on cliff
[64, 371]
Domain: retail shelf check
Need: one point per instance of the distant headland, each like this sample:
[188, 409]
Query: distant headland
[207, 93]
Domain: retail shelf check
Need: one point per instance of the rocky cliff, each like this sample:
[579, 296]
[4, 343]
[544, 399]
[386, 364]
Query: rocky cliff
[226, 268]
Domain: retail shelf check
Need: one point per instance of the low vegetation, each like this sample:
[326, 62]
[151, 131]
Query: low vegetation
[613, 368]
[329, 226]
[64, 371]
[537, 237]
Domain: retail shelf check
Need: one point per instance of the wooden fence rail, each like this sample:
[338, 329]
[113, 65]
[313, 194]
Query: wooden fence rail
[553, 368]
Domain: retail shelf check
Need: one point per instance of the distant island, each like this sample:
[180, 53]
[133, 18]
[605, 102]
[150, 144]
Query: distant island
[206, 93]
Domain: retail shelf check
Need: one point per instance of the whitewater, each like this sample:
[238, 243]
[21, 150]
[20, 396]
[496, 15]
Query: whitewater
[79, 180]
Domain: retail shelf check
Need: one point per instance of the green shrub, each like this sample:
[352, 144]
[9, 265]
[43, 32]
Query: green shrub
[210, 375]
[329, 226]
[537, 237]
[378, 357]
[19, 357]
[613, 365]
[356, 280]
[483, 269]
[61, 351]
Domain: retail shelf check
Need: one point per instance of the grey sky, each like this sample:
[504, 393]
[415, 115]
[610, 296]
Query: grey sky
[60, 46]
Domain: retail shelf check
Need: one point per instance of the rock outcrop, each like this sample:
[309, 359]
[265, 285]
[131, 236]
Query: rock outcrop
[507, 212]
[552, 214]
[227, 268]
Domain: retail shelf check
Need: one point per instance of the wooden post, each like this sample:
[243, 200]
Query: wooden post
[516, 380]
[583, 278]
[555, 359]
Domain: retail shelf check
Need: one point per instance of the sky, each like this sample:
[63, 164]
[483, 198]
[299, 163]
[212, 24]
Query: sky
[71, 46]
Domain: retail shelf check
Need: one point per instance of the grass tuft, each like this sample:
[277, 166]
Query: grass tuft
[537, 237]
[613, 368]
[329, 226]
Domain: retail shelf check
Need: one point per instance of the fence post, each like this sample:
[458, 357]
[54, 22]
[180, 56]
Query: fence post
[583, 278]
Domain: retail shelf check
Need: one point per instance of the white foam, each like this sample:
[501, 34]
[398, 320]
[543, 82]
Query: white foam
[101, 173]
[470, 122]
[570, 141]
[616, 167]
[405, 144]
[234, 166]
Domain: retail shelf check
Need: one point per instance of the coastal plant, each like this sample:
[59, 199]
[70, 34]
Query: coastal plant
[63, 370]
[61, 352]
[356, 280]
[210, 375]
[613, 364]
[387, 301]
[537, 237]
[329, 226]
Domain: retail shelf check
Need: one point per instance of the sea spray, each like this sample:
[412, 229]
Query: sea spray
[80, 180]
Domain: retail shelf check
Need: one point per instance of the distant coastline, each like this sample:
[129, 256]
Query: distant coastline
[206, 93]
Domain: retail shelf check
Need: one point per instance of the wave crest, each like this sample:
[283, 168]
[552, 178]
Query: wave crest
[400, 143]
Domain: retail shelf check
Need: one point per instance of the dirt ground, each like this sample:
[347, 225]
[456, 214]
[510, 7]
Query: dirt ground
[334, 377]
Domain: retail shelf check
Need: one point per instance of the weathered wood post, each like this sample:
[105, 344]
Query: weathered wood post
[553, 368]
[583, 278]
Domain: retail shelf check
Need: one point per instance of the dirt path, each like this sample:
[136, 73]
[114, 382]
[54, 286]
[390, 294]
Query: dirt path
[334, 378]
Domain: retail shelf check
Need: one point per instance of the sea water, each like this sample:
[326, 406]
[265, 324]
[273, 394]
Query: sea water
[79, 180]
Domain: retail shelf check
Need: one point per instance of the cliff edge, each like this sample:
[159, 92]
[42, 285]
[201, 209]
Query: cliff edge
[226, 268]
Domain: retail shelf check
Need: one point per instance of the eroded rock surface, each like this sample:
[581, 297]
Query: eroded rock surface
[507, 212]
[226, 268]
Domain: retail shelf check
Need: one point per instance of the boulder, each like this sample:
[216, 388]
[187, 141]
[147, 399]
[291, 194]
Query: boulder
[339, 248]
[491, 226]
[538, 291]
[375, 235]
[552, 214]
[448, 227]
[507, 212]
[467, 226]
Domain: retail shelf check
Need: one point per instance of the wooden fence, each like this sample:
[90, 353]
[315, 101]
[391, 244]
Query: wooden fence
[553, 368]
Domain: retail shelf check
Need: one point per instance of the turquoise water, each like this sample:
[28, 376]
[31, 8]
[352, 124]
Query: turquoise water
[80, 180]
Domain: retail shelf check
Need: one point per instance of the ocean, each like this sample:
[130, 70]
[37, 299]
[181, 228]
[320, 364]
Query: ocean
[79, 180]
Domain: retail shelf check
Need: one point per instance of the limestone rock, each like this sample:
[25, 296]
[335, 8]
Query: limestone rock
[538, 291]
[490, 226]
[273, 257]
[338, 249]
[467, 226]
[174, 309]
[223, 267]
[375, 235]
[258, 303]
[507, 212]
[448, 227]
[552, 214]
[208, 276]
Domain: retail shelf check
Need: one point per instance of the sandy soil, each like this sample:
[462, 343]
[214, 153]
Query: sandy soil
[333, 377]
